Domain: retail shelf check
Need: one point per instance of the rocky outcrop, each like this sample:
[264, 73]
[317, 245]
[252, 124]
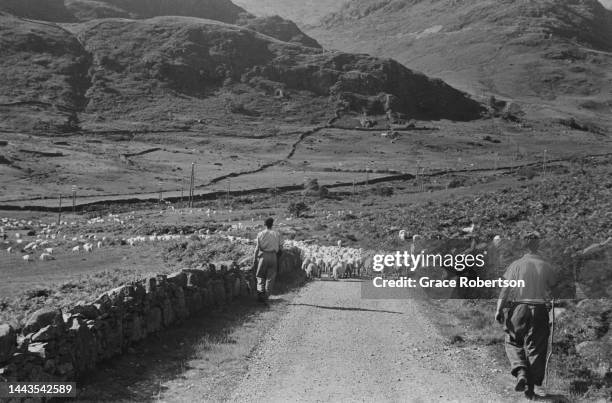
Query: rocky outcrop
[55, 345]
[279, 28]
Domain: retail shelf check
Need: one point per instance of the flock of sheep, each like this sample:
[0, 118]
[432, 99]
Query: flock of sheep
[43, 241]
[335, 261]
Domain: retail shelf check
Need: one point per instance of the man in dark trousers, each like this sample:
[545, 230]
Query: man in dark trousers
[269, 244]
[527, 323]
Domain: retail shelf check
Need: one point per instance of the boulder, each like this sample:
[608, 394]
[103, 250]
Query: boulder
[41, 350]
[87, 311]
[44, 317]
[8, 342]
[597, 355]
[47, 333]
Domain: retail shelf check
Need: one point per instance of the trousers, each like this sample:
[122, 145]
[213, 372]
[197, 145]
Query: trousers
[527, 330]
[266, 272]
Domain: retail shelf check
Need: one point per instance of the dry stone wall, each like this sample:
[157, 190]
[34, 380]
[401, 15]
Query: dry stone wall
[60, 345]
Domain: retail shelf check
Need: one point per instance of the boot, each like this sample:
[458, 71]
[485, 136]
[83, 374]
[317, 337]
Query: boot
[521, 381]
[261, 296]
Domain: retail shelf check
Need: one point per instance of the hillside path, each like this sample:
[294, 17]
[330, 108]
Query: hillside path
[332, 345]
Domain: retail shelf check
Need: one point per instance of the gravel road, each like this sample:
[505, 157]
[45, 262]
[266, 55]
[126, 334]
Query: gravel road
[332, 345]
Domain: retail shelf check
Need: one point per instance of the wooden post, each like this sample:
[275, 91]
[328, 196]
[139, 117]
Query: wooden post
[191, 186]
[59, 212]
[182, 191]
[74, 192]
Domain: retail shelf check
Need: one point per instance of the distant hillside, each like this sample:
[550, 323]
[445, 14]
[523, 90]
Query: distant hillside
[303, 12]
[64, 11]
[142, 70]
[554, 53]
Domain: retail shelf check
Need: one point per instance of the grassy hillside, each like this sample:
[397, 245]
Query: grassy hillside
[147, 70]
[66, 11]
[554, 54]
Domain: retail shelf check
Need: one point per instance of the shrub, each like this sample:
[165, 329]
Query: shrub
[297, 208]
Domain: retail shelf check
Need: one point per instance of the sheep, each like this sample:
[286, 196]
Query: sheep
[338, 270]
[88, 247]
[99, 244]
[403, 235]
[49, 251]
[76, 248]
[46, 256]
[27, 258]
[9, 250]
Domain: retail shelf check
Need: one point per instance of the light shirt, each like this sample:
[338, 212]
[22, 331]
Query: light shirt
[538, 275]
[269, 240]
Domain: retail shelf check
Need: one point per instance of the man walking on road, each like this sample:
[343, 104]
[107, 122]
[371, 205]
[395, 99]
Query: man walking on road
[269, 244]
[527, 324]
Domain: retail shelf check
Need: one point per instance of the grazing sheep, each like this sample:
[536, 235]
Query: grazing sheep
[27, 258]
[46, 256]
[76, 248]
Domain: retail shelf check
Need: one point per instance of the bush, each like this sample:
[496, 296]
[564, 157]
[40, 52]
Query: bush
[383, 190]
[297, 208]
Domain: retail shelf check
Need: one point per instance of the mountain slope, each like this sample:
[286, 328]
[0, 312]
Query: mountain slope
[64, 11]
[550, 52]
[143, 70]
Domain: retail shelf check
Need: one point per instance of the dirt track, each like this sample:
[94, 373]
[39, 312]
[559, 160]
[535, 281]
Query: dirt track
[332, 345]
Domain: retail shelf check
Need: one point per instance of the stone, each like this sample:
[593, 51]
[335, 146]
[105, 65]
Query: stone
[84, 352]
[154, 320]
[179, 279]
[43, 317]
[168, 316]
[47, 333]
[87, 311]
[8, 342]
[150, 284]
[39, 349]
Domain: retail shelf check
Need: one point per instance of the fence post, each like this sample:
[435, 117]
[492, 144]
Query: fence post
[59, 212]
[74, 192]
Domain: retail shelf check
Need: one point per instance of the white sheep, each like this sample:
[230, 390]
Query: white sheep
[403, 235]
[88, 247]
[76, 248]
[9, 250]
[46, 257]
[49, 251]
[27, 258]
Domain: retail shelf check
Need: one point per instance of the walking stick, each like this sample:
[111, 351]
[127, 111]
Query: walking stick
[550, 342]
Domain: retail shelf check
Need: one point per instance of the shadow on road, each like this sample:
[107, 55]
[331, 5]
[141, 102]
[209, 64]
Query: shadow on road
[140, 374]
[343, 308]
[552, 398]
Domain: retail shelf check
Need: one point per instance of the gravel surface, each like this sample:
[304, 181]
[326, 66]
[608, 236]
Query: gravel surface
[332, 345]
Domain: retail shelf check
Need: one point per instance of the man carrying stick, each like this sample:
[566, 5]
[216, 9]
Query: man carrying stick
[527, 324]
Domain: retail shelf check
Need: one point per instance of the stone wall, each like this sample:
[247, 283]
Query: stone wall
[61, 345]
